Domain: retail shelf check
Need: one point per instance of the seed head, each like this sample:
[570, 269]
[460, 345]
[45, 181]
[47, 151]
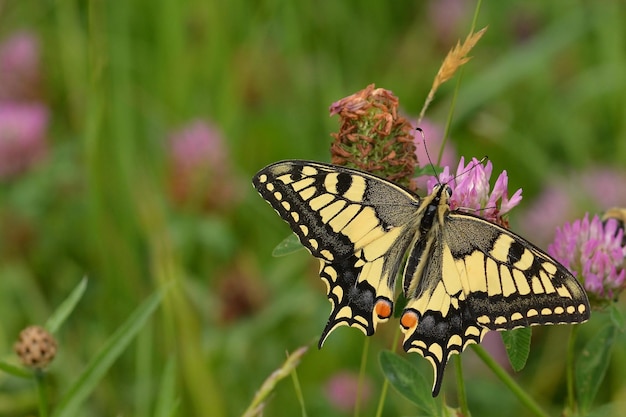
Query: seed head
[35, 347]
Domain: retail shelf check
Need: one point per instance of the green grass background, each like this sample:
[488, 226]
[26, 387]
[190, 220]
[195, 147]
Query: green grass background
[544, 95]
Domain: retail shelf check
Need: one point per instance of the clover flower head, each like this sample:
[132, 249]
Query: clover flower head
[567, 197]
[343, 391]
[471, 190]
[595, 253]
[372, 135]
[23, 130]
[200, 168]
[19, 67]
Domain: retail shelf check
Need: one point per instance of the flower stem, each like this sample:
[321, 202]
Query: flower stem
[521, 395]
[456, 92]
[460, 384]
[41, 392]
[359, 390]
[569, 370]
[299, 396]
[383, 392]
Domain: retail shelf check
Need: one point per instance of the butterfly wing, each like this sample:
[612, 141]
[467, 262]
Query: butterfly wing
[477, 277]
[356, 224]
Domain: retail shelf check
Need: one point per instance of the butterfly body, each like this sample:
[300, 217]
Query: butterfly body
[462, 277]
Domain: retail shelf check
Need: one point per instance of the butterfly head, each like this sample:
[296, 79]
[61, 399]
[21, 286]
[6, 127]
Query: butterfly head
[442, 190]
[439, 198]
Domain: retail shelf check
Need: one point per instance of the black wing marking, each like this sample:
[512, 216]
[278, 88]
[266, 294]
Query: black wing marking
[355, 223]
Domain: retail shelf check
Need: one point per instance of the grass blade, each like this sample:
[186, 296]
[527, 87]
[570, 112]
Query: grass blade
[67, 306]
[89, 379]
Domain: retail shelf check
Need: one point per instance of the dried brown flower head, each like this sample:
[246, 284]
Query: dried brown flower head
[373, 137]
[241, 294]
[35, 347]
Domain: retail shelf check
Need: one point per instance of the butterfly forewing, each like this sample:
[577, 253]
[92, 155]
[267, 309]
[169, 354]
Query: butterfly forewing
[463, 275]
[356, 224]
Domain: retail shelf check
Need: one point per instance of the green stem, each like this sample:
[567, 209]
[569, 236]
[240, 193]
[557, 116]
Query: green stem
[383, 392]
[460, 384]
[456, 92]
[41, 392]
[298, 388]
[509, 382]
[569, 370]
[359, 390]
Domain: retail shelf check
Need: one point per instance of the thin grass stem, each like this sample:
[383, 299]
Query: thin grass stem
[383, 392]
[569, 370]
[460, 384]
[42, 394]
[359, 390]
[513, 386]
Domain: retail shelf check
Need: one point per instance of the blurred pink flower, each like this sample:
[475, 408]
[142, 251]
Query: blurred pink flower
[19, 67]
[568, 197]
[492, 342]
[446, 18]
[433, 136]
[22, 137]
[201, 171]
[342, 391]
[197, 144]
[433, 133]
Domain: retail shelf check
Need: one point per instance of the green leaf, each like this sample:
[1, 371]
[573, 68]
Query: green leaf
[592, 365]
[67, 306]
[616, 316]
[288, 246]
[77, 394]
[17, 371]
[167, 402]
[427, 169]
[610, 409]
[409, 382]
[517, 344]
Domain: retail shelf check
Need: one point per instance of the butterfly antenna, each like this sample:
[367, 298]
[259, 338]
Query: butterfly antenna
[430, 162]
[474, 165]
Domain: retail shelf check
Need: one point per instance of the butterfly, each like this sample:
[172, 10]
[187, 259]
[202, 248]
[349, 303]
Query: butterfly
[462, 275]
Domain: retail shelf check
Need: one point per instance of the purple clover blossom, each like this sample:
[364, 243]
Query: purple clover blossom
[200, 167]
[471, 190]
[594, 252]
[342, 391]
[197, 145]
[23, 130]
[568, 197]
[19, 67]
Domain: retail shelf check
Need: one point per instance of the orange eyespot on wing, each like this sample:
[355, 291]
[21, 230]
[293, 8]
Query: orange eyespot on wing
[383, 308]
[408, 320]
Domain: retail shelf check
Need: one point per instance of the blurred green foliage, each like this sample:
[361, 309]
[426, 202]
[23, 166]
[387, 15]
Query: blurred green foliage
[543, 96]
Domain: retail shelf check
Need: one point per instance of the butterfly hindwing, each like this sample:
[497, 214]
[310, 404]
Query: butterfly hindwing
[354, 223]
[479, 277]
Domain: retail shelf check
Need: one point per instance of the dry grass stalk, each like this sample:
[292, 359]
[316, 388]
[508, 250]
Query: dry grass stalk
[456, 58]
